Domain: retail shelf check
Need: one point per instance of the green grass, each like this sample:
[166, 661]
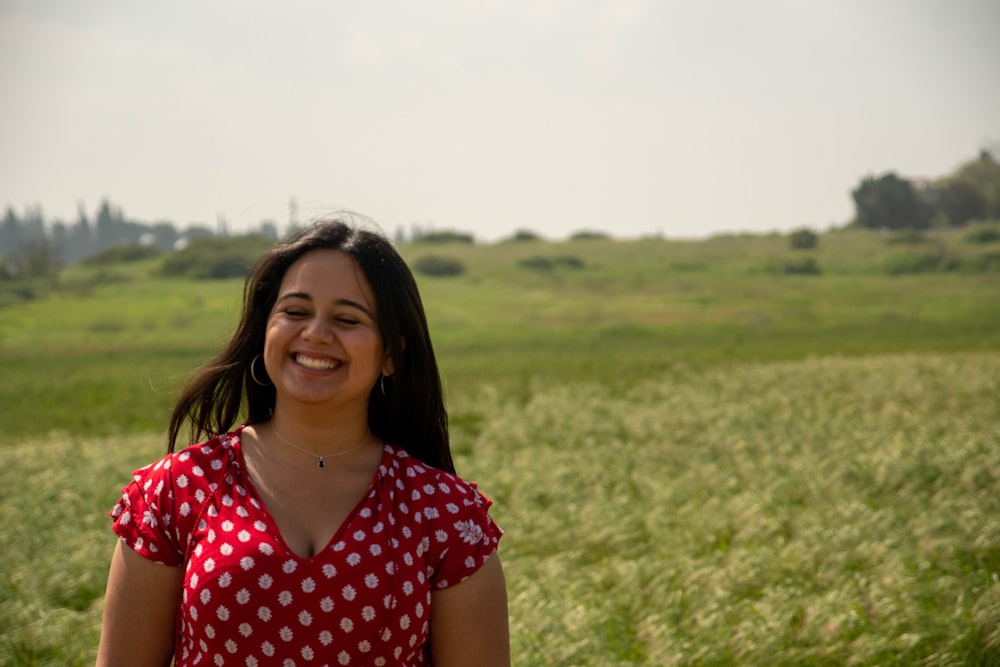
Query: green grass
[696, 461]
[819, 512]
[120, 347]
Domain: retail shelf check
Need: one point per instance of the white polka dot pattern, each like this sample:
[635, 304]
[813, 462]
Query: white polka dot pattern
[249, 600]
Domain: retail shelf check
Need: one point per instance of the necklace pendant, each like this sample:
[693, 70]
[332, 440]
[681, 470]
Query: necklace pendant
[321, 463]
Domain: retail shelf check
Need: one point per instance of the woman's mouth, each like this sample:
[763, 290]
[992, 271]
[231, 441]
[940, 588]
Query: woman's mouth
[317, 364]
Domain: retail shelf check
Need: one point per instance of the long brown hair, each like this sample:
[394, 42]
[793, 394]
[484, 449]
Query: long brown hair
[410, 414]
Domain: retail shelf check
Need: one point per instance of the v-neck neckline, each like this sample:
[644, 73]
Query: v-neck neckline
[272, 524]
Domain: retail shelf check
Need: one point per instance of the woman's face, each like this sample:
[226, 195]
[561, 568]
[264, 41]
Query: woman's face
[322, 344]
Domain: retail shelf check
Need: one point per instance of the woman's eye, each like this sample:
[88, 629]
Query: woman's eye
[350, 321]
[294, 312]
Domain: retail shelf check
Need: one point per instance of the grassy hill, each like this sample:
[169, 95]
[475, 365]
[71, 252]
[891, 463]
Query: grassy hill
[700, 455]
[106, 351]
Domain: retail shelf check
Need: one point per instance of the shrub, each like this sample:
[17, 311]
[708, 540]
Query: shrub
[588, 235]
[986, 263]
[438, 266]
[807, 266]
[215, 258]
[18, 291]
[547, 263]
[127, 252]
[536, 263]
[916, 262]
[445, 236]
[803, 239]
[984, 234]
[33, 259]
[906, 237]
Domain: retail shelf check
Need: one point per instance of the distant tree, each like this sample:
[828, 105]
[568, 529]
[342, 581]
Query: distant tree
[983, 174]
[889, 202]
[34, 259]
[33, 225]
[197, 231]
[526, 235]
[959, 202]
[106, 226]
[80, 243]
[267, 229]
[59, 238]
[165, 235]
[10, 232]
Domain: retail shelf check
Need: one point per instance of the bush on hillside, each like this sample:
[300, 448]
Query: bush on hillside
[525, 235]
[438, 266]
[988, 262]
[14, 291]
[919, 262]
[803, 239]
[445, 236]
[125, 252]
[215, 258]
[804, 266]
[906, 237]
[984, 234]
[547, 263]
[589, 235]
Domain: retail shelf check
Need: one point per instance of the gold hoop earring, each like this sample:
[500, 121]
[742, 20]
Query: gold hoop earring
[254, 375]
[381, 384]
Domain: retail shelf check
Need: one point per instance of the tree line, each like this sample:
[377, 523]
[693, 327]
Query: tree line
[31, 246]
[889, 201]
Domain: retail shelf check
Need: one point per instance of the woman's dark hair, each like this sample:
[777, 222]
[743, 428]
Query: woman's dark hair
[411, 413]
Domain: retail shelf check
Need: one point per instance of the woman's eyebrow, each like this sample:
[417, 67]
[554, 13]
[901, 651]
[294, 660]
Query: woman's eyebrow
[354, 304]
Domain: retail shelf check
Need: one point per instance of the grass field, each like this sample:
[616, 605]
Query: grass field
[696, 460]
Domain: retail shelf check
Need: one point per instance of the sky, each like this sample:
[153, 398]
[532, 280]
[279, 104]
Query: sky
[632, 117]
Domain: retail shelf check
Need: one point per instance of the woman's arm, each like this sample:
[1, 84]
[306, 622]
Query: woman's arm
[469, 626]
[140, 606]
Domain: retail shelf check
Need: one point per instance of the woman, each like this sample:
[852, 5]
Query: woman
[329, 528]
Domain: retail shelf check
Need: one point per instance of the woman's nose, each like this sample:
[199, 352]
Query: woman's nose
[317, 328]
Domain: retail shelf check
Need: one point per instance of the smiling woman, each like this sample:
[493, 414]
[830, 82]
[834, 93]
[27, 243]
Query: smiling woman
[323, 349]
[329, 524]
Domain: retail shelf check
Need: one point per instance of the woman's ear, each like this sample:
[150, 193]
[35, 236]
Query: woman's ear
[387, 366]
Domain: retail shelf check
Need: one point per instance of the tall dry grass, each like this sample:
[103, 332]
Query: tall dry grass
[828, 511]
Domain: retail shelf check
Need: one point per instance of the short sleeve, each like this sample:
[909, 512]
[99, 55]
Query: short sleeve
[463, 530]
[143, 517]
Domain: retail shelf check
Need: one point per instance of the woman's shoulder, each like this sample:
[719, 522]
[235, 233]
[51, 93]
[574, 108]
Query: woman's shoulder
[450, 517]
[422, 480]
[200, 460]
[404, 465]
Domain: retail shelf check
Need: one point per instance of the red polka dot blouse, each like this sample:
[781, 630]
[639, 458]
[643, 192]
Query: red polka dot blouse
[248, 600]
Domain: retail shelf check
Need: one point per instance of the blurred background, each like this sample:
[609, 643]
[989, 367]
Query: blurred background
[629, 116]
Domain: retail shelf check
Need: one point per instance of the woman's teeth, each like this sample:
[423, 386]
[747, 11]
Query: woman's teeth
[317, 364]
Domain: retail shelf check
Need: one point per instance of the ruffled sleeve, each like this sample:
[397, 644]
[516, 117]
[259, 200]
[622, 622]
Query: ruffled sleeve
[144, 516]
[463, 534]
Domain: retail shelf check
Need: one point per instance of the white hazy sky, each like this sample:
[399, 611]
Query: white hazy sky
[634, 117]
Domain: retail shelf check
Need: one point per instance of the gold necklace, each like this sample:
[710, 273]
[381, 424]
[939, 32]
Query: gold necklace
[320, 458]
